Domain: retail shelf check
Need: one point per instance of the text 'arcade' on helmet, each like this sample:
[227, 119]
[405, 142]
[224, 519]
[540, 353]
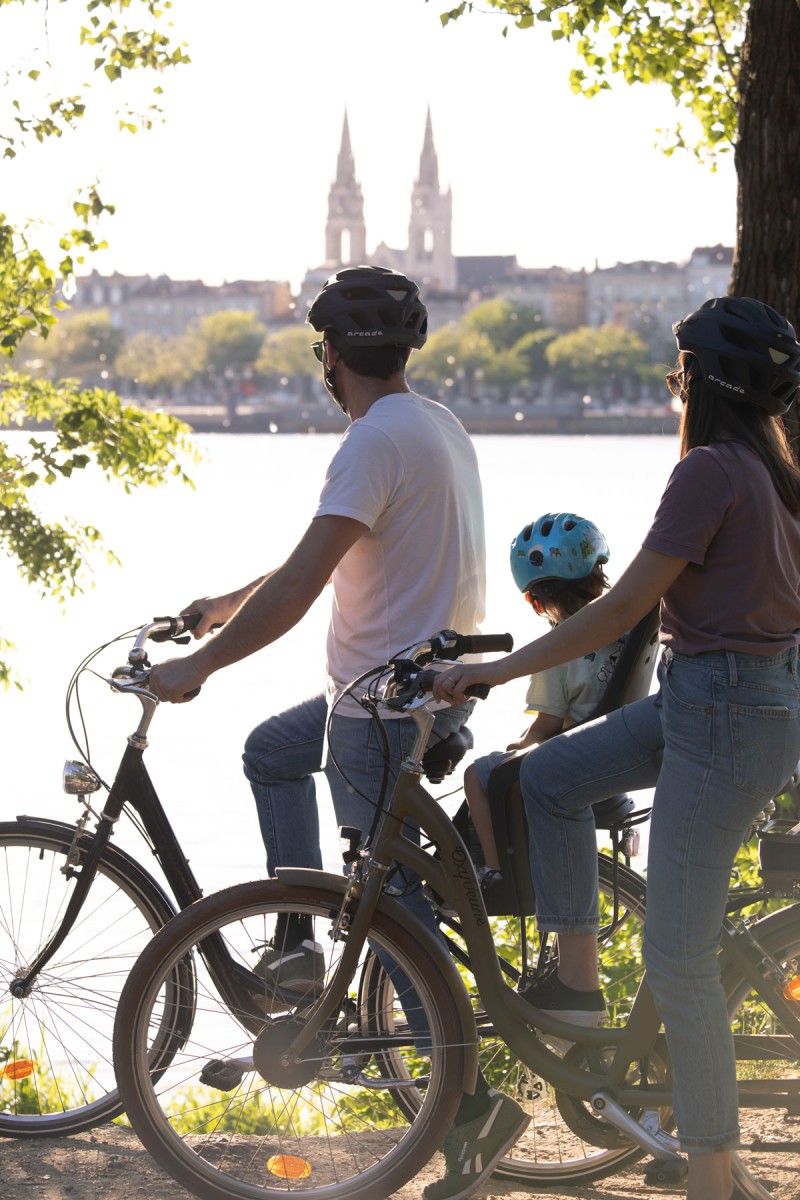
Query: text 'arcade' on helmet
[557, 546]
[746, 351]
[370, 306]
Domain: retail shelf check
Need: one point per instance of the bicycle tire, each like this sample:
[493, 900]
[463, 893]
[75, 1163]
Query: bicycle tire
[56, 1067]
[224, 1127]
[551, 1151]
[779, 936]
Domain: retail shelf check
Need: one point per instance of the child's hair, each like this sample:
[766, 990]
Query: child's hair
[563, 597]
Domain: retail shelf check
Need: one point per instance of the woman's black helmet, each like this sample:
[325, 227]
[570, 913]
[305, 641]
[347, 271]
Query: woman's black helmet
[370, 306]
[745, 350]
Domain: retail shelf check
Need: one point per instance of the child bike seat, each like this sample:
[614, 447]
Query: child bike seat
[514, 894]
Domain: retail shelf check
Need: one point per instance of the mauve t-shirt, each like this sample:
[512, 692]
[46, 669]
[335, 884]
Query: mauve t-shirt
[740, 588]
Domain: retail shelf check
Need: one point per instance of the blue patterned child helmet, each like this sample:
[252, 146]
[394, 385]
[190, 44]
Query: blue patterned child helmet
[557, 546]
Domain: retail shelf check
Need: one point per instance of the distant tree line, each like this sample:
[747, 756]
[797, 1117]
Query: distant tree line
[498, 350]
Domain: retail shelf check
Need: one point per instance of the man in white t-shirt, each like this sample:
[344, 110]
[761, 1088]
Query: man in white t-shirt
[399, 531]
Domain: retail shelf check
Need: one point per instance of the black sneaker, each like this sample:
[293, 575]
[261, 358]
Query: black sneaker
[472, 1150]
[555, 999]
[300, 971]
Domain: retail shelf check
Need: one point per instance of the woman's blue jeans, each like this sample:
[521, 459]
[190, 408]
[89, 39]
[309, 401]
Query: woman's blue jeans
[731, 738]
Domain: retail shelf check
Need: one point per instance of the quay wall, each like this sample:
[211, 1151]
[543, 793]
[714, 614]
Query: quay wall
[218, 420]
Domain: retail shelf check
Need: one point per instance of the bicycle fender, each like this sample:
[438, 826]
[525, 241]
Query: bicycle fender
[119, 858]
[435, 951]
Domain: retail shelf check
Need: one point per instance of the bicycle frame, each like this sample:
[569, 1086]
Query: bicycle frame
[453, 877]
[133, 786]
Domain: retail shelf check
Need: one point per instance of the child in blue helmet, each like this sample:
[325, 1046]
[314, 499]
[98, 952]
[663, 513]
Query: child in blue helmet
[557, 563]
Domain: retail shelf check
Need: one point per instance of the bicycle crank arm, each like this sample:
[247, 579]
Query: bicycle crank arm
[646, 1133]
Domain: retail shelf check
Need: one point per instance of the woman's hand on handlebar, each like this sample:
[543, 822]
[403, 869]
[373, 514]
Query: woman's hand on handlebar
[451, 686]
[177, 680]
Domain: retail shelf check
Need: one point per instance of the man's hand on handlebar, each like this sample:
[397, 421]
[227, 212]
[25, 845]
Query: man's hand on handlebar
[177, 680]
[451, 686]
[214, 611]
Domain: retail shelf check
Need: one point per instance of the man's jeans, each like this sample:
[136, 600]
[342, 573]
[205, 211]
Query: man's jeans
[281, 758]
[731, 731]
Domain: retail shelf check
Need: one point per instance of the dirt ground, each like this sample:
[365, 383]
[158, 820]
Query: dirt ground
[111, 1164]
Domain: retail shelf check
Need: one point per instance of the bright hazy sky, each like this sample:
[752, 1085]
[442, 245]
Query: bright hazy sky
[235, 184]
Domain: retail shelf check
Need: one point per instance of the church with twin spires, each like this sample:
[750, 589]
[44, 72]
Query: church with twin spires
[428, 258]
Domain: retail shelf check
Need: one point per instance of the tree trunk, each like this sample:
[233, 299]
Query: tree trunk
[766, 262]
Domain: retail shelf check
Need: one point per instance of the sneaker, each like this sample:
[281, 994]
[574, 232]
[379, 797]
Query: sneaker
[555, 999]
[488, 877]
[300, 971]
[472, 1150]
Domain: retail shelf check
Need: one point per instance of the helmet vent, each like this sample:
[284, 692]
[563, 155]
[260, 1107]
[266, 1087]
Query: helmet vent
[398, 294]
[569, 524]
[735, 337]
[547, 528]
[778, 356]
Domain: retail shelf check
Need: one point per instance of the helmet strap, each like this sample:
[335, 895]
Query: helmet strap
[329, 375]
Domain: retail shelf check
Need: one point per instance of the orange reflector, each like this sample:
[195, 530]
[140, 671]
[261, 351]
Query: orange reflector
[792, 989]
[21, 1068]
[285, 1166]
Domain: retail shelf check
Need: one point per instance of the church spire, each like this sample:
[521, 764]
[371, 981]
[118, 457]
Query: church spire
[345, 167]
[429, 258]
[428, 163]
[345, 232]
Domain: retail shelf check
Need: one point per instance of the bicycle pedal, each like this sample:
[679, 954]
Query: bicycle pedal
[225, 1074]
[665, 1171]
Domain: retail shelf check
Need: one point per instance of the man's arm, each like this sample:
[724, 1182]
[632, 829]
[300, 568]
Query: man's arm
[272, 609]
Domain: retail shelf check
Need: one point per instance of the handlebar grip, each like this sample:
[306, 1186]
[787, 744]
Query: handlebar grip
[487, 643]
[185, 623]
[424, 683]
[479, 690]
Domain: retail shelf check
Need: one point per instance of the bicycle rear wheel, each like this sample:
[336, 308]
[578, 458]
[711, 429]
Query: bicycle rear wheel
[56, 1069]
[232, 1116]
[565, 1142]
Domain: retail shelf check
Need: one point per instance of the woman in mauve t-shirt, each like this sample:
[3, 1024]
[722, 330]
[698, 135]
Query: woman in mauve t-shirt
[723, 557]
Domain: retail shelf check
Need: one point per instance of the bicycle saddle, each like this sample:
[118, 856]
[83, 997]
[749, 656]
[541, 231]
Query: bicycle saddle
[440, 759]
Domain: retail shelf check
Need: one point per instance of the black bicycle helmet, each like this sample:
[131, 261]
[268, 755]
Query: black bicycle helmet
[745, 350]
[370, 306]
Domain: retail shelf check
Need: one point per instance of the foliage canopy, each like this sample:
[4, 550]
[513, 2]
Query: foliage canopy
[691, 46]
[85, 426]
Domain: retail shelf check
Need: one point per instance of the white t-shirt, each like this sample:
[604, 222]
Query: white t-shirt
[408, 471]
[574, 689]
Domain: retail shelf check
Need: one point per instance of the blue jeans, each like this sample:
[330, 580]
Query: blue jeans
[281, 758]
[560, 780]
[731, 733]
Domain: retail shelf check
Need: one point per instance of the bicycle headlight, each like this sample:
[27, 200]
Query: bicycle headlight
[79, 778]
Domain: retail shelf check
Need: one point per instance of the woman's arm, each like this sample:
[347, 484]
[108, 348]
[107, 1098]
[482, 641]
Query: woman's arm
[640, 587]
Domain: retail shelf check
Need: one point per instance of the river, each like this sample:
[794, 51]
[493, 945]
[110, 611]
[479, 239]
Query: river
[253, 497]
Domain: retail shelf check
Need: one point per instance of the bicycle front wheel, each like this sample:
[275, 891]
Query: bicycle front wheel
[235, 1115]
[56, 1068]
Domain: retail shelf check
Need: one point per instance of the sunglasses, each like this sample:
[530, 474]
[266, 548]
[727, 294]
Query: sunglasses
[675, 383]
[319, 350]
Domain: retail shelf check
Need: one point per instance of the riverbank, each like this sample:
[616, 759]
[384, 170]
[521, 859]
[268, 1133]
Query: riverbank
[316, 419]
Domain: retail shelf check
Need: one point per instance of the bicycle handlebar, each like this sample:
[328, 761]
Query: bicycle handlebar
[185, 623]
[425, 680]
[449, 644]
